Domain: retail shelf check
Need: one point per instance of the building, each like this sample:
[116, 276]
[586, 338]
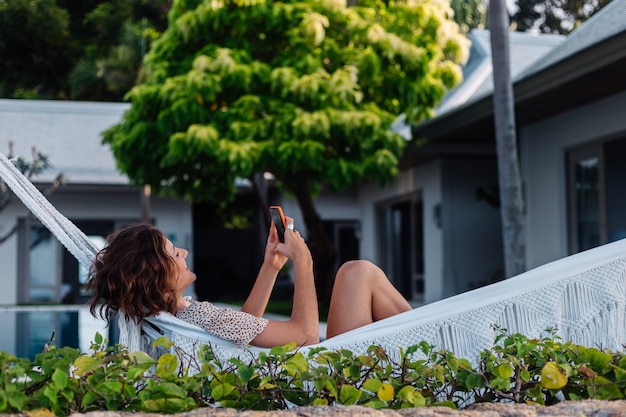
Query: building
[94, 195]
[569, 102]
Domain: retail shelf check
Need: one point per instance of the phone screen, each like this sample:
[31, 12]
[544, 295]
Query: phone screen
[279, 220]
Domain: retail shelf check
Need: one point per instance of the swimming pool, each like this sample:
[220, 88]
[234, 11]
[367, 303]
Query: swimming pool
[25, 330]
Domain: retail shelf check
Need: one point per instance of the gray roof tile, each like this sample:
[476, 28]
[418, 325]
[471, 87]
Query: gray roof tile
[68, 132]
[525, 49]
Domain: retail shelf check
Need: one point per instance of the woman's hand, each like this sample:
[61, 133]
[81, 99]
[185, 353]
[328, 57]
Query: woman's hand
[272, 257]
[295, 248]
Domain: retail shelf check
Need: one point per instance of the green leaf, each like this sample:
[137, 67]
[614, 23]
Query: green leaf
[605, 389]
[245, 373]
[113, 386]
[142, 358]
[620, 373]
[296, 364]
[167, 365]
[60, 378]
[89, 398]
[167, 405]
[171, 389]
[267, 383]
[372, 385]
[3, 401]
[597, 359]
[449, 404]
[505, 370]
[18, 400]
[85, 364]
[349, 394]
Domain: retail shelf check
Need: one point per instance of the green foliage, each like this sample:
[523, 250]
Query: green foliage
[33, 35]
[546, 370]
[88, 49]
[470, 14]
[306, 90]
[553, 16]
[516, 369]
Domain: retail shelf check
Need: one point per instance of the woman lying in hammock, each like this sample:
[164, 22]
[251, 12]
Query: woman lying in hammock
[141, 273]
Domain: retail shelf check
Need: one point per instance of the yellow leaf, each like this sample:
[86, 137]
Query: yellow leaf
[386, 392]
[320, 401]
[85, 364]
[40, 412]
[552, 377]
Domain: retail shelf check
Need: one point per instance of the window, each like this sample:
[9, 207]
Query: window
[47, 272]
[402, 244]
[586, 196]
[596, 178]
[39, 275]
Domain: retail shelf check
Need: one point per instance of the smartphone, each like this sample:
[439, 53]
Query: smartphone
[279, 220]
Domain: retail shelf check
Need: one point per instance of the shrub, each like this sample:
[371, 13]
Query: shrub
[516, 369]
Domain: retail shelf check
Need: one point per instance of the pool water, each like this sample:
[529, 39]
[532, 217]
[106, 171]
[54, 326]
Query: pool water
[25, 330]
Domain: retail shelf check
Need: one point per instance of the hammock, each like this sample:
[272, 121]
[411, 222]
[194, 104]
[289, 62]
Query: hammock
[582, 296]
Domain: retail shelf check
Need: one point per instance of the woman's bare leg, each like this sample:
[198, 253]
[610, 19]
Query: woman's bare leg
[362, 294]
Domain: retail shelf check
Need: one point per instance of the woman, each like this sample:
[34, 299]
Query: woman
[140, 273]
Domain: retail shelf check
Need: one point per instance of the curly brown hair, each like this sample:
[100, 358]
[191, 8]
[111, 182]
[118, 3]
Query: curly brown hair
[133, 274]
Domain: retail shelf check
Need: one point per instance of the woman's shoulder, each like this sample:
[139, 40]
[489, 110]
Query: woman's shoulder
[192, 304]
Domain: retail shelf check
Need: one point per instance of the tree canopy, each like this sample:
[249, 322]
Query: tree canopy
[553, 16]
[306, 90]
[85, 50]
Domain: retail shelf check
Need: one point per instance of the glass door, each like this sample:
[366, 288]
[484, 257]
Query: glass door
[402, 245]
[587, 214]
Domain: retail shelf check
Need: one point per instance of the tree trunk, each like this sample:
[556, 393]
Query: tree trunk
[511, 198]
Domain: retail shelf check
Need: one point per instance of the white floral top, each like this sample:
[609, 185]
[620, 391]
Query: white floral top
[224, 322]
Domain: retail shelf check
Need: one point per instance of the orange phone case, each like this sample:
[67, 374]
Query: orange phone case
[279, 220]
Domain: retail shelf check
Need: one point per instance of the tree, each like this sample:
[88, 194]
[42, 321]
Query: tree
[38, 164]
[111, 63]
[305, 90]
[88, 50]
[510, 182]
[470, 14]
[554, 16]
[33, 34]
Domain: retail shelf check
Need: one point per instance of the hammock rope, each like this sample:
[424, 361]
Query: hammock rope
[76, 242]
[582, 296]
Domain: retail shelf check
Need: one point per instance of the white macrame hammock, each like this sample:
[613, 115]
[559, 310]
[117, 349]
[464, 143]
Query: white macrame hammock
[583, 296]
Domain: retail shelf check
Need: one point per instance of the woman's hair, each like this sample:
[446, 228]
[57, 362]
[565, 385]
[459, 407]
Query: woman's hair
[133, 274]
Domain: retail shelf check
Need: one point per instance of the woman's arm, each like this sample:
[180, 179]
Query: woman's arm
[273, 261]
[303, 326]
[259, 296]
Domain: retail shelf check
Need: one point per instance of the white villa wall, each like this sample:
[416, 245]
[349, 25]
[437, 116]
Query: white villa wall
[543, 147]
[8, 255]
[331, 206]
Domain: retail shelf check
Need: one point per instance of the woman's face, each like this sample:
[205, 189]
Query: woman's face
[185, 276]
